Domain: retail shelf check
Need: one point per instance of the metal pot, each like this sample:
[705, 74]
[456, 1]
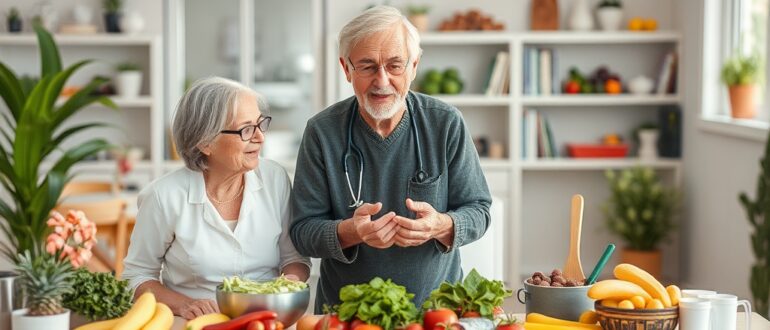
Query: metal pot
[10, 297]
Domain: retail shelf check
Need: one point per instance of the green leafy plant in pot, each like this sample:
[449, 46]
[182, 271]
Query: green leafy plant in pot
[14, 20]
[641, 211]
[758, 212]
[741, 74]
[418, 15]
[112, 15]
[609, 13]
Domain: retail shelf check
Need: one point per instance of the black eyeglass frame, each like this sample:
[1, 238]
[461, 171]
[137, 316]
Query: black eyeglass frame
[263, 124]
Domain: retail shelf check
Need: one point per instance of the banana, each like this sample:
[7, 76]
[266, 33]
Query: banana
[589, 317]
[616, 289]
[631, 273]
[674, 293]
[543, 326]
[654, 304]
[101, 325]
[638, 301]
[609, 303]
[201, 321]
[162, 320]
[139, 314]
[626, 304]
[540, 318]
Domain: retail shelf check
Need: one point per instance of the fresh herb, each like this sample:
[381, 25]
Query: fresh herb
[474, 294]
[278, 285]
[380, 302]
[98, 296]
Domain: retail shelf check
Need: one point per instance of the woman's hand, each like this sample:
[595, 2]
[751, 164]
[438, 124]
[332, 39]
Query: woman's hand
[193, 308]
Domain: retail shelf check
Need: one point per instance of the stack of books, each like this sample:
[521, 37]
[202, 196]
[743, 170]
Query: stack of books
[499, 76]
[540, 71]
[537, 137]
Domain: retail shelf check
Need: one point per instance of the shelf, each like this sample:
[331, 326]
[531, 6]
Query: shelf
[474, 100]
[99, 39]
[495, 164]
[141, 101]
[108, 165]
[599, 100]
[622, 37]
[568, 164]
[466, 38]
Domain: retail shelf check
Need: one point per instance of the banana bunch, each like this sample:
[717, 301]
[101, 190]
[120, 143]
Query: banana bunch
[634, 288]
[145, 314]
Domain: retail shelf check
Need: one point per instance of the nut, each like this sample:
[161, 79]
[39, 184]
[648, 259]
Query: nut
[557, 285]
[570, 283]
[556, 272]
[558, 279]
[544, 283]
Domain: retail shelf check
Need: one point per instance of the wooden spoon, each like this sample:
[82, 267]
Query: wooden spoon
[573, 269]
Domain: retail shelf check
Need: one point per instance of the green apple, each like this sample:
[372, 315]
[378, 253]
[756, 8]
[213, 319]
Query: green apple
[452, 73]
[450, 86]
[433, 75]
[430, 87]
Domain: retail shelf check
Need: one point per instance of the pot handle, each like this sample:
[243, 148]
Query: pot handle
[518, 295]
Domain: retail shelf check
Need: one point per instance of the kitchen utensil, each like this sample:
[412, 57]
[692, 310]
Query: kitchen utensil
[289, 306]
[724, 309]
[600, 265]
[694, 314]
[689, 293]
[566, 303]
[572, 268]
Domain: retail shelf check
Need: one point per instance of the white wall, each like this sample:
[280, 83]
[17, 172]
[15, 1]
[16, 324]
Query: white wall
[715, 233]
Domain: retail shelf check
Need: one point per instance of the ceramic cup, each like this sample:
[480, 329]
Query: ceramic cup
[723, 311]
[694, 314]
[689, 293]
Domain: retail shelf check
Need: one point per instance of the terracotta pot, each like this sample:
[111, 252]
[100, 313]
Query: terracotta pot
[651, 261]
[743, 101]
[420, 22]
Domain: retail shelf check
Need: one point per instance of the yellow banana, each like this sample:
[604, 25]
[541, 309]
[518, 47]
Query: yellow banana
[638, 301]
[201, 321]
[139, 314]
[589, 317]
[101, 325]
[162, 320]
[654, 304]
[616, 289]
[626, 304]
[674, 293]
[543, 326]
[540, 318]
[631, 273]
[609, 303]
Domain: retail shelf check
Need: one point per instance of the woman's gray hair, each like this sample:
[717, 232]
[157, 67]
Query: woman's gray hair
[207, 108]
[377, 19]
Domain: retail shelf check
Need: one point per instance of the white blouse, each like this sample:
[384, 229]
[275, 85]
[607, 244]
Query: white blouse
[180, 232]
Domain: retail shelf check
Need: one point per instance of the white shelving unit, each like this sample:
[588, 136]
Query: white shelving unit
[500, 119]
[133, 118]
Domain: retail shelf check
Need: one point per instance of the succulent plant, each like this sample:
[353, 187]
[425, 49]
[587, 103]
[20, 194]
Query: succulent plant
[13, 14]
[610, 3]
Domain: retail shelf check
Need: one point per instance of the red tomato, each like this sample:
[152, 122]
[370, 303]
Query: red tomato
[414, 326]
[355, 323]
[436, 316]
[470, 314]
[572, 87]
[331, 322]
[513, 326]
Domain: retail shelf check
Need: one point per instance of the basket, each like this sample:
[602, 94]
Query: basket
[647, 319]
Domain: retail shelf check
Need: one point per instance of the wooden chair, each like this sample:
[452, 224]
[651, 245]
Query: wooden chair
[108, 213]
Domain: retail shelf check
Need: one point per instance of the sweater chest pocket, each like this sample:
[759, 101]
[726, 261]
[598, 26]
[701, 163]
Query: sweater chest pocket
[431, 191]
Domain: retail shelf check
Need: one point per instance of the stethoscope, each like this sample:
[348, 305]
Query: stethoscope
[419, 176]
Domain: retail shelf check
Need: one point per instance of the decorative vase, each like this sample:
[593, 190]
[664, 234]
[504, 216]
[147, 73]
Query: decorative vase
[650, 261]
[742, 101]
[128, 84]
[14, 26]
[580, 18]
[10, 297]
[21, 321]
[420, 22]
[112, 22]
[132, 23]
[610, 18]
[648, 142]
[640, 85]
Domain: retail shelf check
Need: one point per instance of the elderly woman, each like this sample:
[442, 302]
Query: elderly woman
[226, 213]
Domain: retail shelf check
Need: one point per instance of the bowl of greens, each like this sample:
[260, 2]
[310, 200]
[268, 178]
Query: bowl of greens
[289, 299]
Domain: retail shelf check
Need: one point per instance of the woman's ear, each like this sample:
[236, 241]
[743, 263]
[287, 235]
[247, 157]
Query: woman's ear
[205, 149]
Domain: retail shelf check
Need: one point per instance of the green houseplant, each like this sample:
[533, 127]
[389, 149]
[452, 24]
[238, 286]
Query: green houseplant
[741, 74]
[418, 15]
[758, 212]
[98, 296]
[609, 13]
[641, 211]
[37, 134]
[14, 20]
[112, 15]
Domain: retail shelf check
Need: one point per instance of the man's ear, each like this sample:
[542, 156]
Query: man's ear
[345, 68]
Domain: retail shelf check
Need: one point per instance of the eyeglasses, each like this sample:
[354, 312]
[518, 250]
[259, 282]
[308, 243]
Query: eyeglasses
[248, 132]
[395, 68]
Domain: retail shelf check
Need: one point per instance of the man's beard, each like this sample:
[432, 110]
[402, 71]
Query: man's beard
[384, 111]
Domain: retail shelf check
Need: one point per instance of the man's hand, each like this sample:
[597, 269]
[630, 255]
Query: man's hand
[429, 224]
[378, 233]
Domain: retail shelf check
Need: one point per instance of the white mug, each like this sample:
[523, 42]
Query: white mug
[723, 311]
[689, 293]
[694, 314]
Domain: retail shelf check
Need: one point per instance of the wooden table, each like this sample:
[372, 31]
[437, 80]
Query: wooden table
[757, 322]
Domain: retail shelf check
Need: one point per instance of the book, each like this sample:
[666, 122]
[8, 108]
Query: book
[664, 74]
[545, 71]
[533, 71]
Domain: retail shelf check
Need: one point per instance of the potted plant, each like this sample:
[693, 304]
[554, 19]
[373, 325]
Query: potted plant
[647, 137]
[112, 15]
[418, 15]
[641, 211]
[97, 296]
[610, 15]
[14, 20]
[46, 278]
[758, 212]
[740, 73]
[128, 81]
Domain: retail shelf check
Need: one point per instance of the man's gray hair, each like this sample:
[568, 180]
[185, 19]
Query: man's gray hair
[206, 109]
[377, 19]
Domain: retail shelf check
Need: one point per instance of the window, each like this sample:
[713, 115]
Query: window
[749, 37]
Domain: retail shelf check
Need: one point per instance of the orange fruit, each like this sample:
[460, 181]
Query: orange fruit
[650, 24]
[613, 86]
[635, 24]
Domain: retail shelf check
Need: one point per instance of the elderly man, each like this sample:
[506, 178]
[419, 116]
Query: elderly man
[388, 182]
